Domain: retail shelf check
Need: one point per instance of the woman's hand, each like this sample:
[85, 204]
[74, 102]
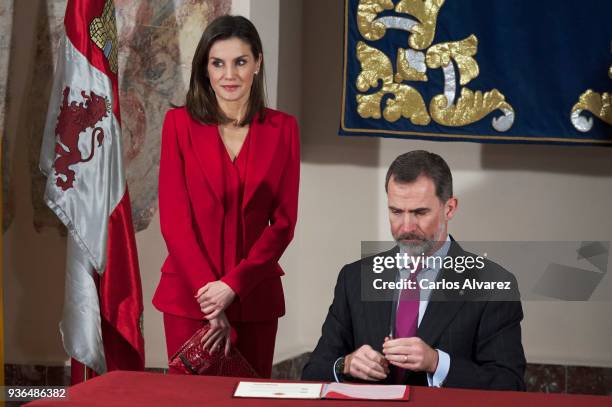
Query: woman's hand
[214, 298]
[218, 335]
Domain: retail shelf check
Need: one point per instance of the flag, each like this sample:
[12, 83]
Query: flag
[516, 71]
[86, 187]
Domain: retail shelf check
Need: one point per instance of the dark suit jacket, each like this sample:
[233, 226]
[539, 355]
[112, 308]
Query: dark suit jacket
[192, 211]
[482, 337]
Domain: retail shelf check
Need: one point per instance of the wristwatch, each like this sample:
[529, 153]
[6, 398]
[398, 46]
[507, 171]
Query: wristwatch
[339, 368]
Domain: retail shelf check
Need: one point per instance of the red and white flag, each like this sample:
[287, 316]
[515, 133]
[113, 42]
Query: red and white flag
[101, 324]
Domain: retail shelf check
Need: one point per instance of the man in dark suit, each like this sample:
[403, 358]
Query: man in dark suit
[449, 334]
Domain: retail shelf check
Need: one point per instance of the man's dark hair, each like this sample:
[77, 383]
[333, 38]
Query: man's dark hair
[409, 166]
[201, 101]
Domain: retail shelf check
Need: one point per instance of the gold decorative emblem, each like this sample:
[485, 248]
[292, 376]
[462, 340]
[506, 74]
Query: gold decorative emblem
[599, 104]
[103, 32]
[419, 18]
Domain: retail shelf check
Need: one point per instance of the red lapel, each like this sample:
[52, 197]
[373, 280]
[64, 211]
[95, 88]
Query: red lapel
[205, 143]
[263, 148]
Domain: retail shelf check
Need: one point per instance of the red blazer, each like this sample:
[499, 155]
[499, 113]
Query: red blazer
[191, 215]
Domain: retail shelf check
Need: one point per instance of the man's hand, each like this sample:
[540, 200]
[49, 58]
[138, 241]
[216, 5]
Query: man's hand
[366, 364]
[214, 298]
[218, 335]
[411, 354]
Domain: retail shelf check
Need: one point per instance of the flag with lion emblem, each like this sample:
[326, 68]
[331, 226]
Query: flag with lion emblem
[86, 187]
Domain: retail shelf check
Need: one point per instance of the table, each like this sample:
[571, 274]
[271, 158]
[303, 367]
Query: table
[155, 389]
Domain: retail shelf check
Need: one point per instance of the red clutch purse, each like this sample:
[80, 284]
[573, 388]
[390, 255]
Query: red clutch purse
[192, 359]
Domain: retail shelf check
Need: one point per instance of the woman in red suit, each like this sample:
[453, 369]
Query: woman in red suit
[228, 193]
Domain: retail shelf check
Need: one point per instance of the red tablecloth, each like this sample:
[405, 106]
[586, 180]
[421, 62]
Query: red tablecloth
[151, 389]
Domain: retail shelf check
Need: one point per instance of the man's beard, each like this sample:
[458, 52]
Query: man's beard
[423, 245]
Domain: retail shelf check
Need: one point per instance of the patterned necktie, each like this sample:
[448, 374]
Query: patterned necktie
[407, 315]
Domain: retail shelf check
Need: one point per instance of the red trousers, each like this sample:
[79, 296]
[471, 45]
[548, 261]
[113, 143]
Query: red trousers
[255, 339]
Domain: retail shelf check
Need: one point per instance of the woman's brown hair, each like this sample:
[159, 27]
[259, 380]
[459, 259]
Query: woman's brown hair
[201, 101]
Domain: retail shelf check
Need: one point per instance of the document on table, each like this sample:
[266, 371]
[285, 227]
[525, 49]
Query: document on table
[347, 391]
[312, 391]
[279, 390]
